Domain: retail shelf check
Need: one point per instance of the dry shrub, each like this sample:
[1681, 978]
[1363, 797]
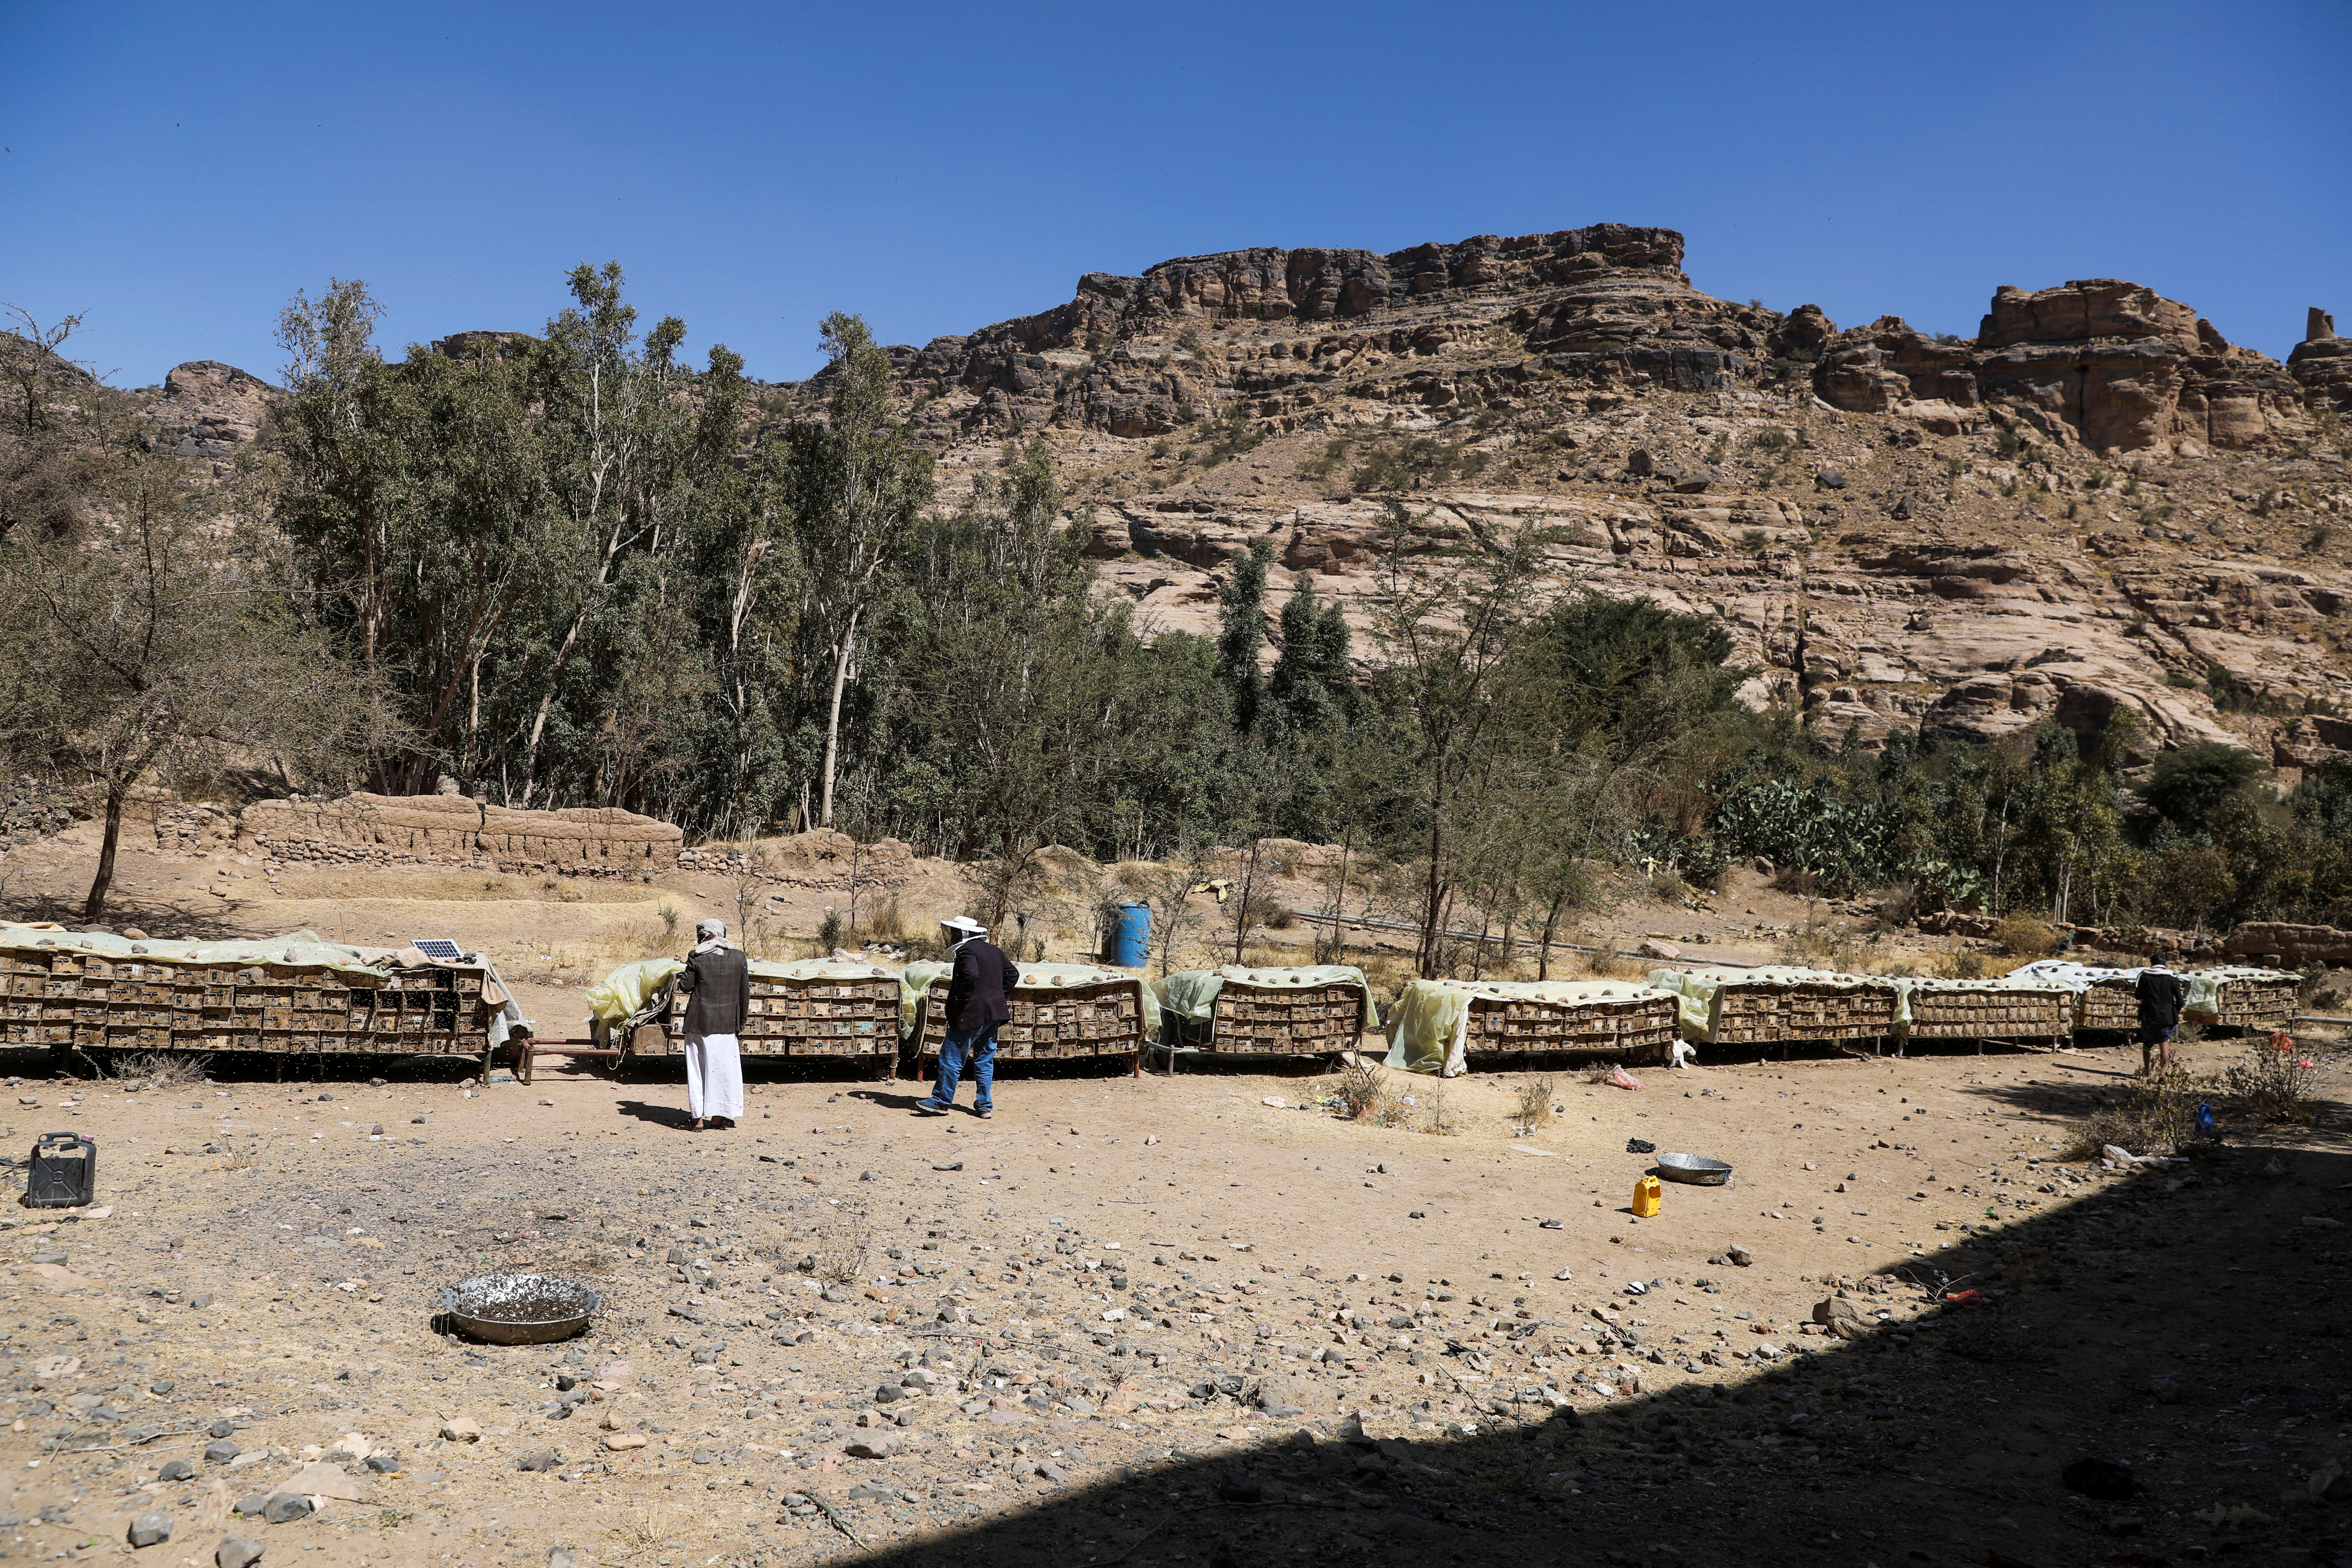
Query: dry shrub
[1599, 1072]
[2154, 1116]
[2022, 936]
[835, 1250]
[1437, 1115]
[161, 1069]
[888, 923]
[2273, 1082]
[1532, 1104]
[1898, 905]
[1363, 1091]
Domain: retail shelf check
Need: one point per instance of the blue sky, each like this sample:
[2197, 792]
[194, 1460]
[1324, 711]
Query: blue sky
[174, 173]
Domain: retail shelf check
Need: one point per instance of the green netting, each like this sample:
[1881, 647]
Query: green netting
[1428, 1028]
[916, 980]
[1191, 994]
[2205, 985]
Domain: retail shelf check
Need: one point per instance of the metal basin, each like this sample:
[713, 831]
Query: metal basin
[1696, 1170]
[519, 1308]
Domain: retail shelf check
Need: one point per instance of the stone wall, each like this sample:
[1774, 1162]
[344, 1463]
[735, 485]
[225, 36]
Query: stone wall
[577, 841]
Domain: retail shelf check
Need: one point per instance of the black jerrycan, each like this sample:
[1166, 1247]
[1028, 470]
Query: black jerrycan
[64, 1171]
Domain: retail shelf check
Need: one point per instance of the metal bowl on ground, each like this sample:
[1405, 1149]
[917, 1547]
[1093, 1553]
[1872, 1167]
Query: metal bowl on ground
[1696, 1170]
[519, 1308]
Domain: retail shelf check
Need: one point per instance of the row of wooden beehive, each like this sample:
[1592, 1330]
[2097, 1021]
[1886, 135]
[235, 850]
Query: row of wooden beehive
[1641, 1025]
[88, 1000]
[1304, 1021]
[802, 1017]
[1080, 1021]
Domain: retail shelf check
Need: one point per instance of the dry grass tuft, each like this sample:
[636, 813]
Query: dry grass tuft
[1532, 1106]
[2022, 936]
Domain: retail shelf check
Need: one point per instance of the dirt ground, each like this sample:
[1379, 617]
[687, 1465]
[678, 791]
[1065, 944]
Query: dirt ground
[1062, 1282]
[1198, 1319]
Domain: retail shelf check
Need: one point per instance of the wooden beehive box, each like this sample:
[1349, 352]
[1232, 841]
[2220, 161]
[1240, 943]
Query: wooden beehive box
[1056, 1015]
[1638, 1025]
[2251, 999]
[814, 1009]
[1989, 1010]
[1276, 1012]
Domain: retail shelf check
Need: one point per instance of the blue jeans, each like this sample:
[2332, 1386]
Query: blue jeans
[977, 1047]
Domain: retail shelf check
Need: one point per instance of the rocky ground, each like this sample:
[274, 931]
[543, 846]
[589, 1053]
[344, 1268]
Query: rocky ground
[1198, 1319]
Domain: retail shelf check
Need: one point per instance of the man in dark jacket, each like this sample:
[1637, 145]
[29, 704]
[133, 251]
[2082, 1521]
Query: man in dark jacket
[982, 978]
[717, 986]
[2160, 994]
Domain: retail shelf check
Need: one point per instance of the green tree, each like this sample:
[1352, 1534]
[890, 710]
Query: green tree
[856, 485]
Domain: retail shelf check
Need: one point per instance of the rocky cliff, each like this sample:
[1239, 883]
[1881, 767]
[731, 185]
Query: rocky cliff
[2096, 502]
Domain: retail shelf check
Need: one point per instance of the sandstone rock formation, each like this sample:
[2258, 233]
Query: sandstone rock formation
[207, 410]
[2322, 362]
[583, 840]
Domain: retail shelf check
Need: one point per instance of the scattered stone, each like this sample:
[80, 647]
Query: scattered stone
[621, 1442]
[285, 1508]
[236, 1551]
[874, 1447]
[176, 1470]
[539, 1463]
[461, 1430]
[1739, 1255]
[150, 1529]
[222, 1452]
[321, 1478]
[383, 1464]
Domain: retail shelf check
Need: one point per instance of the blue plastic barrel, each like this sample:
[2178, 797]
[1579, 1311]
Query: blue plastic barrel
[1130, 936]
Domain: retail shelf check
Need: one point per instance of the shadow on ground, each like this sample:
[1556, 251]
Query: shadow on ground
[2184, 1322]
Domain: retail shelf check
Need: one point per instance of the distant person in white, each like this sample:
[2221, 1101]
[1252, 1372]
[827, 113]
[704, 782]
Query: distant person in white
[717, 986]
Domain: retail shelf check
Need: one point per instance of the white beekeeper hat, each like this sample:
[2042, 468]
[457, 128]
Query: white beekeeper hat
[965, 925]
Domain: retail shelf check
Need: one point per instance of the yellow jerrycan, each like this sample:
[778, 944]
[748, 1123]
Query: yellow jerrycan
[1646, 1197]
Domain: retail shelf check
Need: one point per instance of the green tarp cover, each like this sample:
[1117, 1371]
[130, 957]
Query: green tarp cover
[1697, 995]
[1428, 1026]
[1191, 994]
[295, 950]
[916, 980]
[2205, 985]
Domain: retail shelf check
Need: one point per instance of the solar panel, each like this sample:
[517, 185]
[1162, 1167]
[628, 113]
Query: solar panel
[438, 947]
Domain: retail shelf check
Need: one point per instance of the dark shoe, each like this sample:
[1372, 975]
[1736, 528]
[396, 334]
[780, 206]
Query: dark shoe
[930, 1108]
[985, 1112]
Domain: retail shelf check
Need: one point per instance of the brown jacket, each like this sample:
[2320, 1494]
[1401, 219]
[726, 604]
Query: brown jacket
[717, 986]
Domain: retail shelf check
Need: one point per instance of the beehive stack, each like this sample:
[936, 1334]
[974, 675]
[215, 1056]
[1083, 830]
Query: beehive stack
[1275, 1012]
[1055, 1013]
[2108, 1003]
[1637, 1026]
[1989, 1010]
[2244, 998]
[1770, 1008]
[814, 1009]
[91, 1001]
